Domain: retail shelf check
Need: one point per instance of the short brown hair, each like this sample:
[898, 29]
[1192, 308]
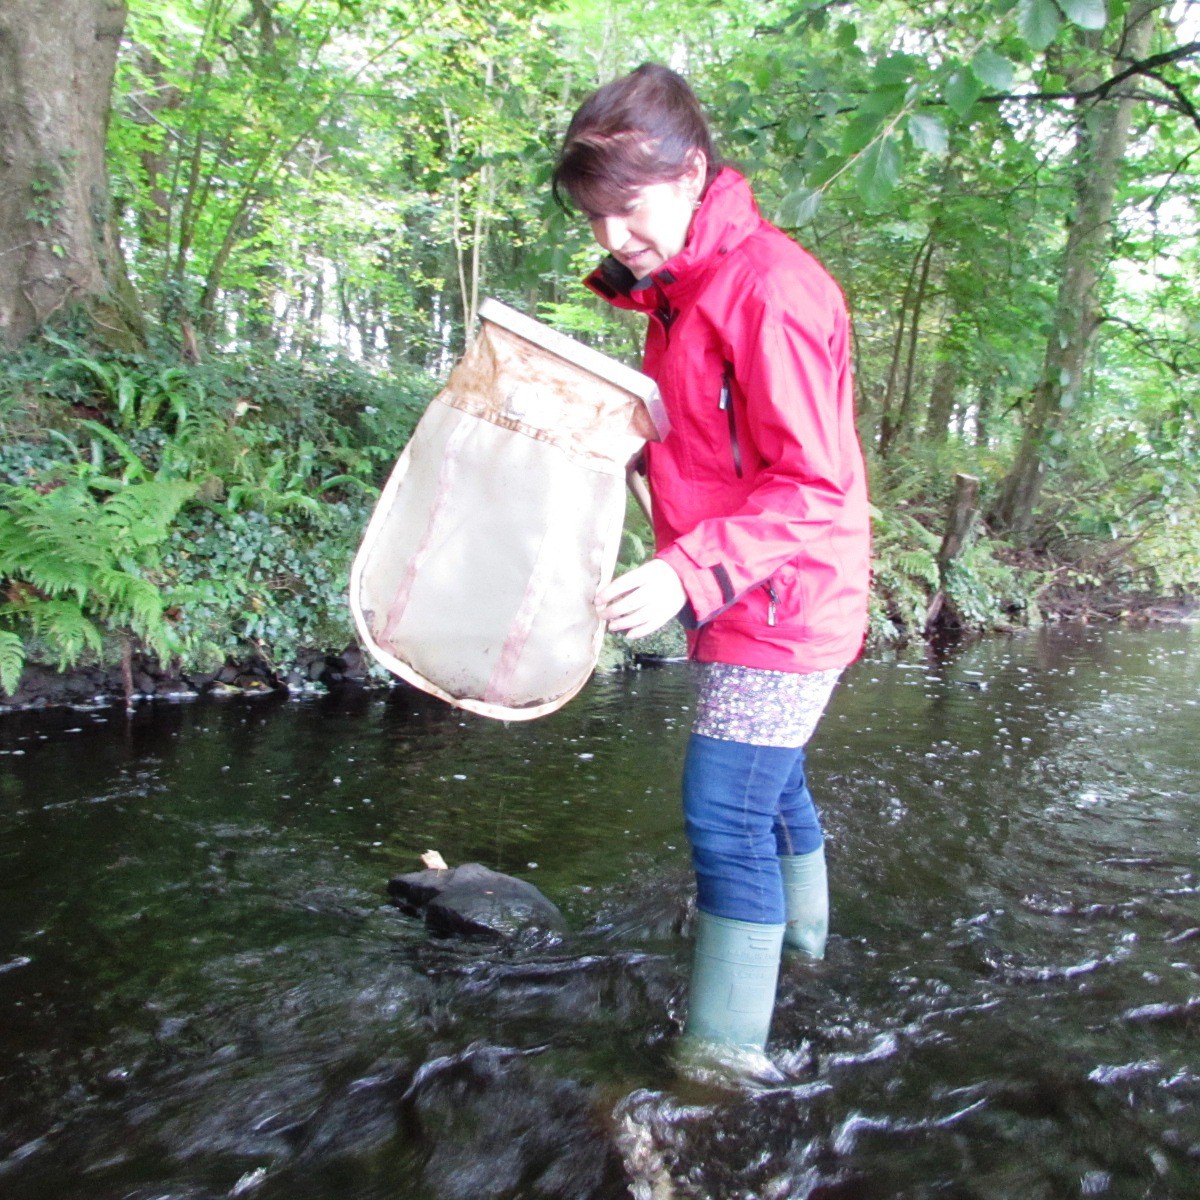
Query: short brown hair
[639, 129]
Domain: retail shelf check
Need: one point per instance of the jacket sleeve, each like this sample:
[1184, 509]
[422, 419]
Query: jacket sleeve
[791, 366]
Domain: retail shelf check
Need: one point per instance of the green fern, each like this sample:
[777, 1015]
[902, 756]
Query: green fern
[135, 601]
[169, 389]
[919, 564]
[142, 514]
[138, 394]
[64, 627]
[51, 539]
[905, 574]
[12, 660]
[103, 436]
[75, 560]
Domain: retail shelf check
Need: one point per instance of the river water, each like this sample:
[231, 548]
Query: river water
[205, 993]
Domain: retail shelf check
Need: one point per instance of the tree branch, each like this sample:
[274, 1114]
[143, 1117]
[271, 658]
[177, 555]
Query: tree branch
[1180, 95]
[1145, 66]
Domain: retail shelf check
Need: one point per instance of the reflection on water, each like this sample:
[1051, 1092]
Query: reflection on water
[205, 994]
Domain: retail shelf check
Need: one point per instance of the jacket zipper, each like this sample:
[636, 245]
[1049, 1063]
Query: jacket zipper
[726, 406]
[772, 602]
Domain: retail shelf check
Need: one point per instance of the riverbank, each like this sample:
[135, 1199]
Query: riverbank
[1089, 605]
[170, 531]
[42, 686]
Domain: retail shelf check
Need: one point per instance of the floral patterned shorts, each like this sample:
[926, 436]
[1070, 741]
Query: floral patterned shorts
[764, 708]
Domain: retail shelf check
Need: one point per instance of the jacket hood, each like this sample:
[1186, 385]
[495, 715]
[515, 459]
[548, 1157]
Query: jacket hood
[727, 215]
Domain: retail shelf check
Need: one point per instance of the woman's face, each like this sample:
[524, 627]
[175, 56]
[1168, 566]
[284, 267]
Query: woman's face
[653, 227]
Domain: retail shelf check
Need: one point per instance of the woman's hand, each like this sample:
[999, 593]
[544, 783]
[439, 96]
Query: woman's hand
[641, 600]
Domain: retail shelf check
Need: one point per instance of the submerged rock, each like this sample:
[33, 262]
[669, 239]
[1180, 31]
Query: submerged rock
[497, 1127]
[475, 902]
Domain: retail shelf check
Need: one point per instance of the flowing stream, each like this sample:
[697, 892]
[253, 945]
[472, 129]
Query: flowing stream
[204, 992]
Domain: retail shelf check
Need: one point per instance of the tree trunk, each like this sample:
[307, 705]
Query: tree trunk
[942, 393]
[1104, 134]
[960, 524]
[58, 244]
[900, 425]
[983, 411]
[154, 208]
[886, 420]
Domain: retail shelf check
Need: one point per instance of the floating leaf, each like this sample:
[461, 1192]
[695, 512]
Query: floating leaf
[1087, 14]
[878, 171]
[1039, 22]
[993, 69]
[928, 134]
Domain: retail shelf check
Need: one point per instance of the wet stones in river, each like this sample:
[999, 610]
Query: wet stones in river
[472, 901]
[496, 1126]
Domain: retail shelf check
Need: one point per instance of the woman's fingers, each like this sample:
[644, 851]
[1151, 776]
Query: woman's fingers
[642, 600]
[623, 585]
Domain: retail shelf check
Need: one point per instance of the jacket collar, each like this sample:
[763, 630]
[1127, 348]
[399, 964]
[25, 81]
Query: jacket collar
[726, 217]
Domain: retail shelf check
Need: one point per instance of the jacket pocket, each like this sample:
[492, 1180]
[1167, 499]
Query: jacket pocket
[726, 405]
[772, 601]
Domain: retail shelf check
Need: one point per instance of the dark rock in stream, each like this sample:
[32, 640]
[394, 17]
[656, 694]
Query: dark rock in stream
[475, 902]
[498, 1127]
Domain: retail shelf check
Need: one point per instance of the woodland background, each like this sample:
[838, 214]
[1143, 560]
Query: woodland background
[242, 241]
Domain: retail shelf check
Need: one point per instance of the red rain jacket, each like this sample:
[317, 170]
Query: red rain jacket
[760, 498]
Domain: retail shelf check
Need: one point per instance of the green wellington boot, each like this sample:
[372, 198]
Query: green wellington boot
[806, 901]
[734, 972]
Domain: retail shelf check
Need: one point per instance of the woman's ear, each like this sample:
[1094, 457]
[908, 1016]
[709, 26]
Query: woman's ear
[695, 175]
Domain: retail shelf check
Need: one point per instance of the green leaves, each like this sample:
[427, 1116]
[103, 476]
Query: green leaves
[961, 91]
[861, 132]
[928, 133]
[142, 515]
[993, 70]
[1038, 22]
[799, 208]
[64, 627]
[1087, 14]
[895, 69]
[878, 171]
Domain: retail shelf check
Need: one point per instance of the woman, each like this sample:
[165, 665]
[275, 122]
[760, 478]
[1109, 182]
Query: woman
[760, 516]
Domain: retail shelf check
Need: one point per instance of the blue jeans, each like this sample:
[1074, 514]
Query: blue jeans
[744, 806]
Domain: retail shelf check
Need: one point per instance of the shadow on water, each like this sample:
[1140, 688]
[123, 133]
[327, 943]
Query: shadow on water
[204, 992]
